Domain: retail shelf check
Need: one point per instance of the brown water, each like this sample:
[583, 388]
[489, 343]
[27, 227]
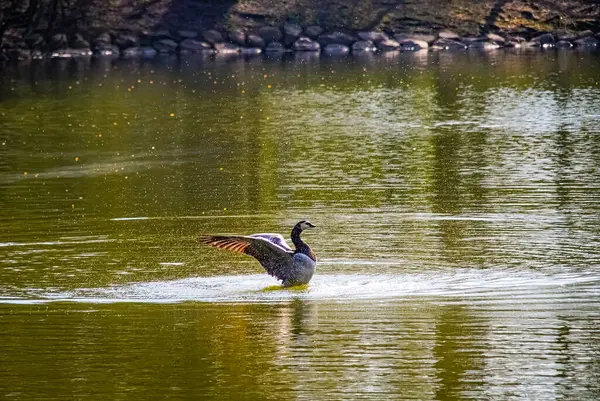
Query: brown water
[457, 204]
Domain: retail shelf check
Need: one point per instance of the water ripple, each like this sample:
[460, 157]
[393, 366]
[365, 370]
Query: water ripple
[503, 286]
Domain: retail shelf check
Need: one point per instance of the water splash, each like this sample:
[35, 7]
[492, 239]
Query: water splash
[508, 285]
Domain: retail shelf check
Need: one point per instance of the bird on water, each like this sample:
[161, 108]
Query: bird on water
[292, 267]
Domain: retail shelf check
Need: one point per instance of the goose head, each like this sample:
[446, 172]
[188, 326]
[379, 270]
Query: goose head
[304, 224]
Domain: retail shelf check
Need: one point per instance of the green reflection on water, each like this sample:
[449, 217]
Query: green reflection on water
[416, 349]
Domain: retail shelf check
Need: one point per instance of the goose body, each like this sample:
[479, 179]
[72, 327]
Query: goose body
[291, 266]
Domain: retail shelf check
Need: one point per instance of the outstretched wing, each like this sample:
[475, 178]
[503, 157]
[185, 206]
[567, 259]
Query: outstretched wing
[277, 239]
[276, 260]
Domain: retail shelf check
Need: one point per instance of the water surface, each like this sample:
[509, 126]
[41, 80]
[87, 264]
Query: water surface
[456, 199]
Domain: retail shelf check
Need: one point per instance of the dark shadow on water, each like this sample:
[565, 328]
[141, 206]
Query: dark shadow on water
[457, 352]
[459, 164]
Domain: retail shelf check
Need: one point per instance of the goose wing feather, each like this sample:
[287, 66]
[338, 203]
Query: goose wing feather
[277, 239]
[276, 260]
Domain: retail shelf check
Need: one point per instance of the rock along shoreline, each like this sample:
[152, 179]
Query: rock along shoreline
[289, 37]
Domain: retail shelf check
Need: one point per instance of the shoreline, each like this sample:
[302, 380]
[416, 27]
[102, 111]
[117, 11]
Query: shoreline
[288, 38]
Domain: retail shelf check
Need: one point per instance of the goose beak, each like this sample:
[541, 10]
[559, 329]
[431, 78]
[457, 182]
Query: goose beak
[311, 225]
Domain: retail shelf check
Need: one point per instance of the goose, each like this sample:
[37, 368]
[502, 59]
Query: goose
[292, 267]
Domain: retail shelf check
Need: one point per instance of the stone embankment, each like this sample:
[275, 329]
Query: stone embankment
[290, 37]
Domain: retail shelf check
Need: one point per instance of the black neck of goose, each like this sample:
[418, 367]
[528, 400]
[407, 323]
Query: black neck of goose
[301, 246]
[298, 243]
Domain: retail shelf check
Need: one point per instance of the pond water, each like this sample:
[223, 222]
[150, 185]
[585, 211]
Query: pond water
[457, 204]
